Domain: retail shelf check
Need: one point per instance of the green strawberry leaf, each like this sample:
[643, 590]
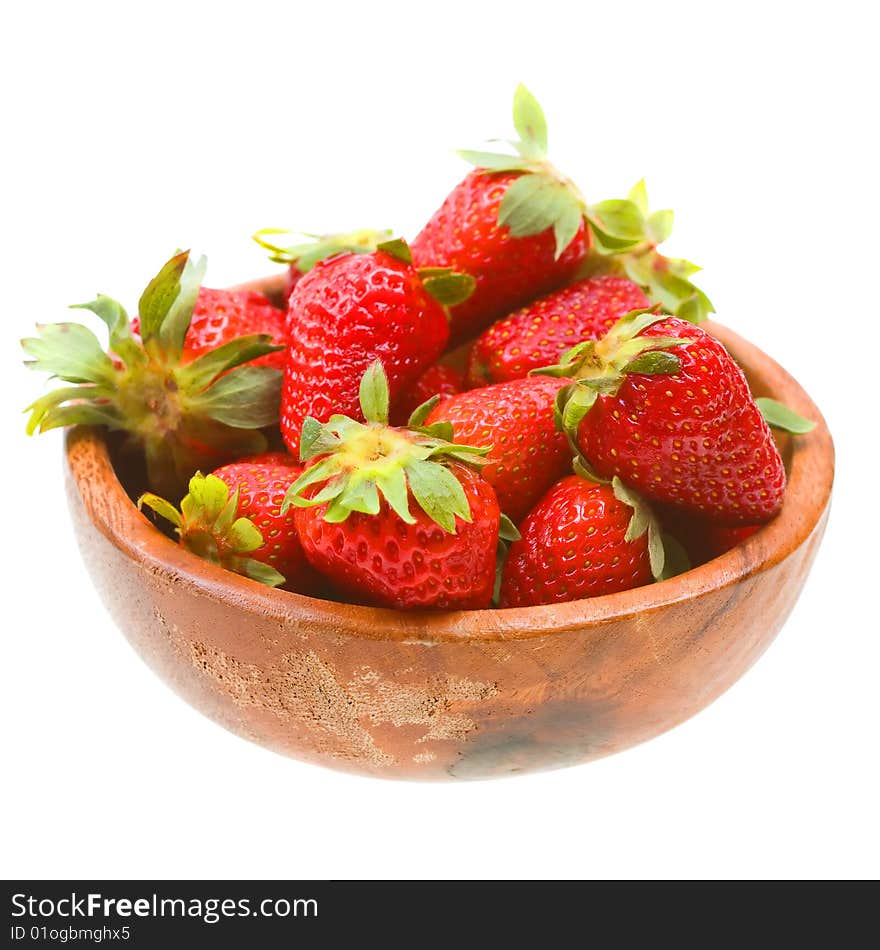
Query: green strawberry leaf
[69, 351]
[529, 122]
[654, 363]
[658, 226]
[373, 393]
[676, 560]
[449, 288]
[535, 202]
[507, 530]
[247, 397]
[438, 493]
[420, 413]
[317, 247]
[163, 508]
[206, 368]
[781, 417]
[638, 195]
[580, 466]
[619, 218]
[160, 294]
[122, 342]
[174, 326]
[244, 536]
[397, 248]
[493, 161]
[258, 571]
[392, 484]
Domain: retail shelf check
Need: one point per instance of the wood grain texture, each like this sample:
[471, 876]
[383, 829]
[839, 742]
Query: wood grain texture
[458, 695]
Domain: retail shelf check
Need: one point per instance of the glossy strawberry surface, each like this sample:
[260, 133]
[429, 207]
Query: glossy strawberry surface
[438, 379]
[572, 546]
[539, 333]
[464, 234]
[380, 559]
[694, 438]
[262, 481]
[516, 418]
[345, 313]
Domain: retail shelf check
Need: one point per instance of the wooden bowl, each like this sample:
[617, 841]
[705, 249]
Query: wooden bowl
[468, 694]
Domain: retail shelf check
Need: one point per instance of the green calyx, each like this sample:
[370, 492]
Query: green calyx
[625, 239]
[447, 286]
[208, 524]
[184, 417]
[541, 197]
[781, 417]
[287, 247]
[667, 557]
[359, 464]
[600, 366]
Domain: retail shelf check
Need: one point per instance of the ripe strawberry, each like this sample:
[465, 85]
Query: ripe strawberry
[302, 256]
[223, 315]
[185, 412]
[509, 268]
[233, 518]
[515, 421]
[681, 427]
[351, 310]
[516, 225]
[439, 379]
[357, 522]
[582, 539]
[539, 333]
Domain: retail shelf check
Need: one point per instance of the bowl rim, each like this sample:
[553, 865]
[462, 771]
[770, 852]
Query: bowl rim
[807, 497]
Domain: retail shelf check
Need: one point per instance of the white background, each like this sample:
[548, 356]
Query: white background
[130, 130]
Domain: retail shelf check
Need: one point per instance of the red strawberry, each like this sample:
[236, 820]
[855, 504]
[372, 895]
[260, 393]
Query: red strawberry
[516, 225]
[393, 516]
[515, 418]
[680, 426]
[233, 518]
[539, 333]
[223, 315]
[301, 256]
[509, 270]
[184, 411]
[582, 539]
[439, 379]
[262, 481]
[351, 310]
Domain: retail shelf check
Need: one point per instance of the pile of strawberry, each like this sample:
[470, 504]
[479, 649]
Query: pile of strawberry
[560, 425]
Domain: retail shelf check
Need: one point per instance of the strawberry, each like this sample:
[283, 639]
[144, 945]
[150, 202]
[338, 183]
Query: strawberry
[539, 333]
[583, 539]
[701, 537]
[302, 256]
[516, 225]
[183, 412]
[514, 420]
[395, 517]
[681, 426]
[439, 379]
[223, 315]
[233, 518]
[351, 310]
